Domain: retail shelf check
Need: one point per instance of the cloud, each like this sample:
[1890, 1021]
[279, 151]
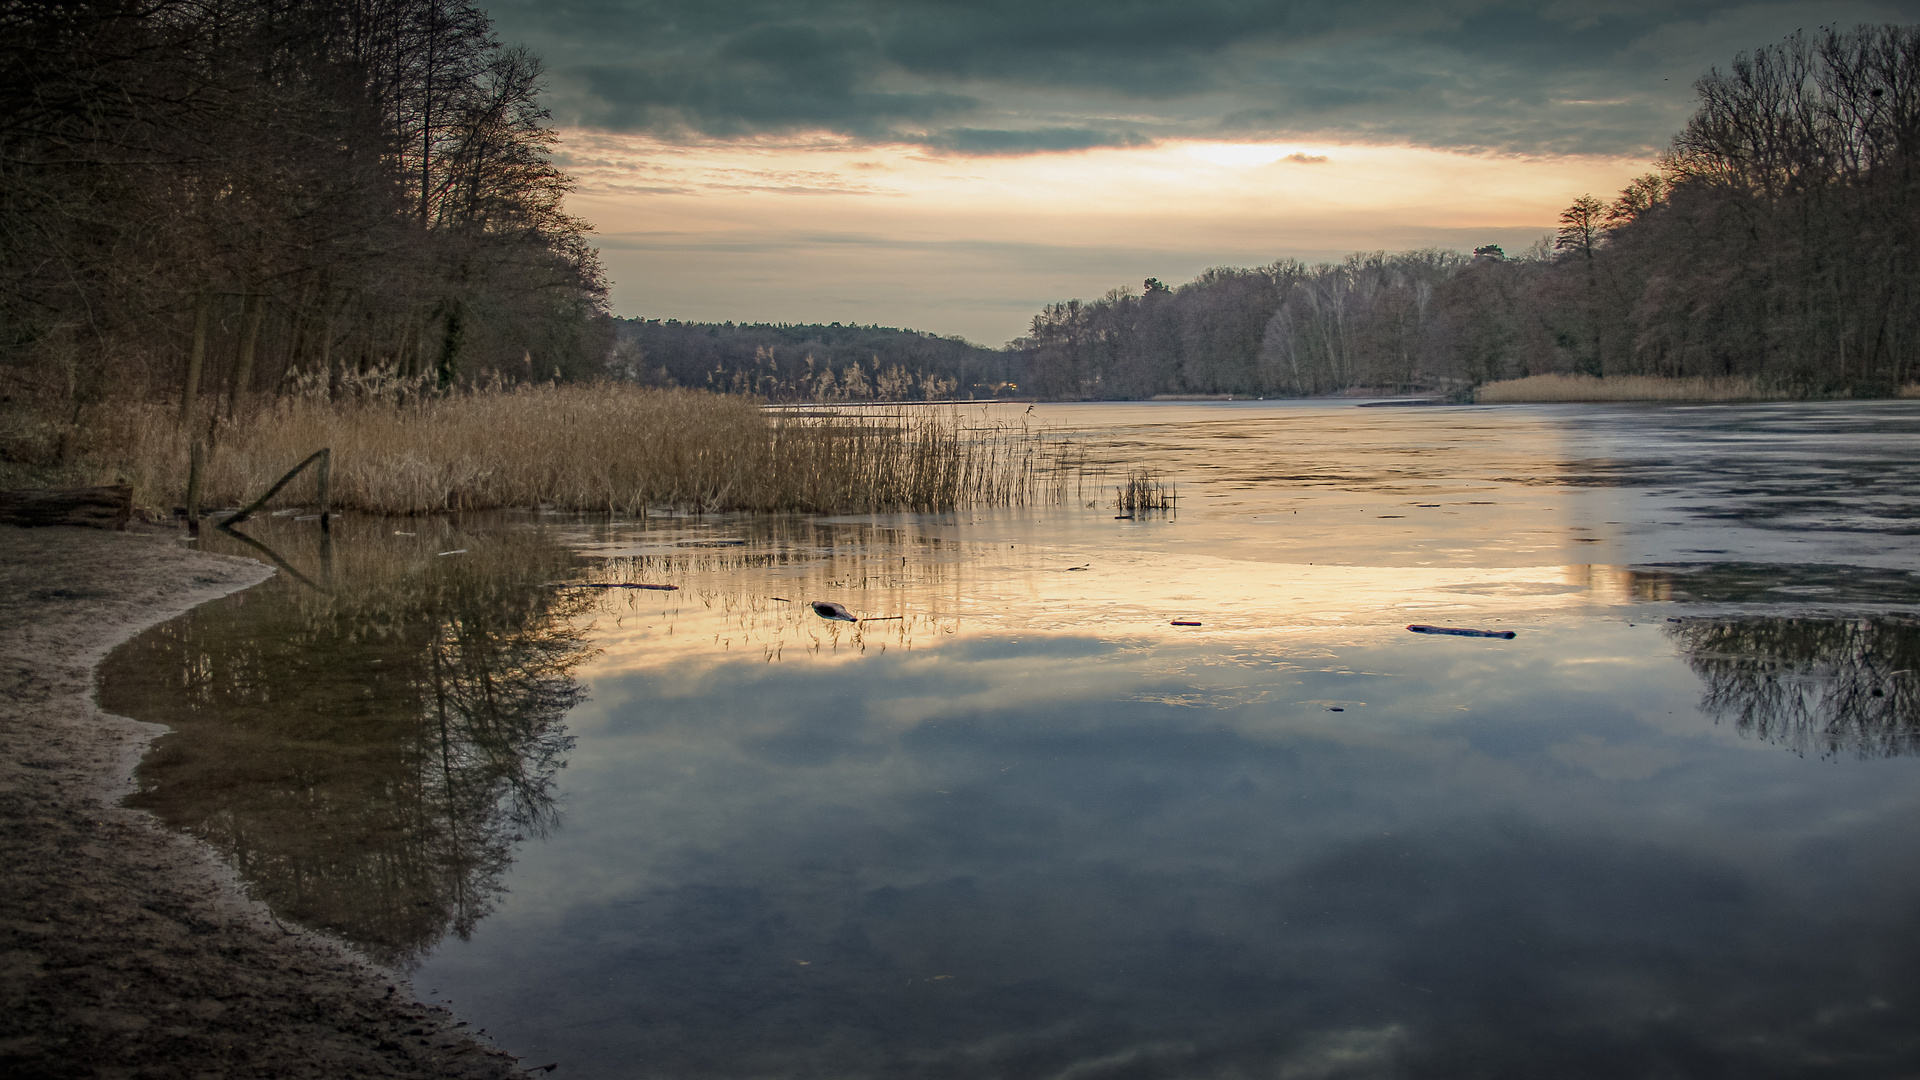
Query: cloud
[1005, 77]
[982, 142]
[1303, 158]
[772, 79]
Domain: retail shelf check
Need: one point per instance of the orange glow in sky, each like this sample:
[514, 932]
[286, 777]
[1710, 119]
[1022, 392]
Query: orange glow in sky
[818, 230]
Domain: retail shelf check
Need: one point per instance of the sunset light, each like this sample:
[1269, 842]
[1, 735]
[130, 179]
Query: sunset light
[819, 229]
[960, 539]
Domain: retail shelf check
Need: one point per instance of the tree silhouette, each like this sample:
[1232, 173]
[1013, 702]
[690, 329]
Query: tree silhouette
[1777, 242]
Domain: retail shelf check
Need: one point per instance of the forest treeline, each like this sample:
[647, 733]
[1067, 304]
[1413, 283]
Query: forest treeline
[1779, 241]
[791, 362]
[202, 199]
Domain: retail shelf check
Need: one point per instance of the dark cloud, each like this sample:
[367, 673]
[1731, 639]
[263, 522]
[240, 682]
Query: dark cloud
[775, 77]
[981, 142]
[1153, 50]
[1013, 76]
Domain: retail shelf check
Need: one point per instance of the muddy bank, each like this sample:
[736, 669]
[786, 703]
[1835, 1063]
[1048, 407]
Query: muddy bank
[127, 950]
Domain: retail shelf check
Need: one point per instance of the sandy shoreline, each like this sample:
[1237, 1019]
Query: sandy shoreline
[127, 950]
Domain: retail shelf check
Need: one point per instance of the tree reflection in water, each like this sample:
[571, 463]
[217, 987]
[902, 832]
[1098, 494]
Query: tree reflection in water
[1825, 686]
[367, 756]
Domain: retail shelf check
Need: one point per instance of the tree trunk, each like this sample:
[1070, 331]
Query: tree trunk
[196, 359]
[243, 365]
[97, 507]
[326, 341]
[299, 336]
[447, 368]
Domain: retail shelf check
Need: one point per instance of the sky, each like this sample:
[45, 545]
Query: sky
[953, 165]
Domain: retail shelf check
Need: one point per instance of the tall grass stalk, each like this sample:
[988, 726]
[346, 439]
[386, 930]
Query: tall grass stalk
[1547, 389]
[593, 448]
[1143, 493]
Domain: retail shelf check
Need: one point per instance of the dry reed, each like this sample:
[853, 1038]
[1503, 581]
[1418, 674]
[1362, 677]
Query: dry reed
[1143, 492]
[590, 448]
[1547, 389]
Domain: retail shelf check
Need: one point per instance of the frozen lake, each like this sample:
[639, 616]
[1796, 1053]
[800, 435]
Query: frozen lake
[1022, 825]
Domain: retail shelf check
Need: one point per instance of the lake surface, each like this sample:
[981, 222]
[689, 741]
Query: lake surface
[1021, 825]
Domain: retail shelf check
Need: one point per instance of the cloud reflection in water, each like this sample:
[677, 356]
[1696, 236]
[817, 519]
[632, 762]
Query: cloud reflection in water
[1031, 850]
[1029, 829]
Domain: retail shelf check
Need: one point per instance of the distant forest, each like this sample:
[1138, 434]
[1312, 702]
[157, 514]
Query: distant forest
[204, 200]
[1779, 240]
[790, 362]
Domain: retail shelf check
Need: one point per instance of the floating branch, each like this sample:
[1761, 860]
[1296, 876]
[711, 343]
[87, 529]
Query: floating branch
[1458, 631]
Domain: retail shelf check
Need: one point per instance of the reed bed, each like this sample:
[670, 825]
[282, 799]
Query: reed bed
[1142, 493]
[585, 448]
[1548, 389]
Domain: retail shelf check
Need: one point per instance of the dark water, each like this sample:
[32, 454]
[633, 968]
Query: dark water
[1029, 828]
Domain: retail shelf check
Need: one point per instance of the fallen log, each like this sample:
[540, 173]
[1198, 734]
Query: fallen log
[109, 507]
[1459, 631]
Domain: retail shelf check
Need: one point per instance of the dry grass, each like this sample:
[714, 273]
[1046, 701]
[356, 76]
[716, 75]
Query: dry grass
[1143, 492]
[1911, 390]
[1542, 389]
[597, 448]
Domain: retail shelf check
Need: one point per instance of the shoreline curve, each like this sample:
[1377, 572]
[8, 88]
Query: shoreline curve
[127, 948]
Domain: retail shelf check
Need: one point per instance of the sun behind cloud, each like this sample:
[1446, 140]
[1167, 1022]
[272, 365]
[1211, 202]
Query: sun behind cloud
[954, 166]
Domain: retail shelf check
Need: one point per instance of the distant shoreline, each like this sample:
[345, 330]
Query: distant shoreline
[1626, 389]
[1532, 390]
[776, 405]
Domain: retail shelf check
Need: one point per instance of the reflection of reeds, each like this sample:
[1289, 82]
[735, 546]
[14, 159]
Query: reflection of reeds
[1142, 492]
[367, 751]
[610, 447]
[1548, 389]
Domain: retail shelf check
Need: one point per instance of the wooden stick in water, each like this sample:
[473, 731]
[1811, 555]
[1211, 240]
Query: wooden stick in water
[1458, 631]
[323, 475]
[196, 462]
[247, 510]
